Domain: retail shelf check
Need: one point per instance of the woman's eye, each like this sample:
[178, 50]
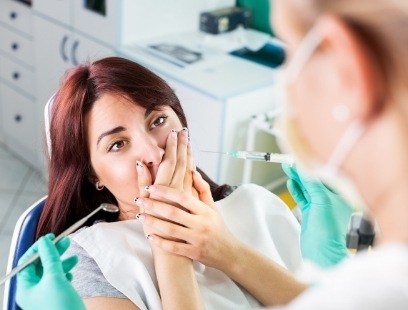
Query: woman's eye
[116, 146]
[158, 122]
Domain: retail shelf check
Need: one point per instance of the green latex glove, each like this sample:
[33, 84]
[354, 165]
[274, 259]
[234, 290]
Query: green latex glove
[45, 284]
[325, 217]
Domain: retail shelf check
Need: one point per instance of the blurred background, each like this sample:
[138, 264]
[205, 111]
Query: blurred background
[220, 57]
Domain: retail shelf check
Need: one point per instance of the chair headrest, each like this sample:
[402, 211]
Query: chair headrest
[47, 121]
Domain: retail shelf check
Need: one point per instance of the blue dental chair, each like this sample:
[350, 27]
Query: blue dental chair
[23, 238]
[25, 229]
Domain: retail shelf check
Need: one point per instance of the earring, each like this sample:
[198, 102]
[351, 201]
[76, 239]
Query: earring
[341, 113]
[98, 187]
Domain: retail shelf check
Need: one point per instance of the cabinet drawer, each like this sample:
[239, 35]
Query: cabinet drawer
[16, 46]
[101, 25]
[18, 75]
[59, 10]
[18, 118]
[16, 15]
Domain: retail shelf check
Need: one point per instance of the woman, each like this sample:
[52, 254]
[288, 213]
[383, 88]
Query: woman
[116, 127]
[348, 58]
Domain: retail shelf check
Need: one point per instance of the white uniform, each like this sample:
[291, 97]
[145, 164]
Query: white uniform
[373, 280]
[253, 214]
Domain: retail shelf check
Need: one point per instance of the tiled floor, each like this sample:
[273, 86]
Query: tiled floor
[20, 186]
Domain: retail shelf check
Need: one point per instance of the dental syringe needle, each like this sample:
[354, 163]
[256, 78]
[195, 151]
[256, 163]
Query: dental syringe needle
[258, 156]
[213, 152]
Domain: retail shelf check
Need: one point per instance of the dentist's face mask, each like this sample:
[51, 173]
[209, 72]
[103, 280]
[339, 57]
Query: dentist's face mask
[291, 139]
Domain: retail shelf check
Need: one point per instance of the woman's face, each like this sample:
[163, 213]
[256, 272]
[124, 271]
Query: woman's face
[120, 133]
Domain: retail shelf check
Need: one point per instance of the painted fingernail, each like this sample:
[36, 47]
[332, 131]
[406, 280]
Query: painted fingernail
[139, 201]
[174, 134]
[185, 131]
[139, 167]
[149, 237]
[135, 200]
[140, 216]
[150, 188]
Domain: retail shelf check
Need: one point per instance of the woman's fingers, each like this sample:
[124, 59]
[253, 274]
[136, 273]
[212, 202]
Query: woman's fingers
[203, 189]
[188, 177]
[166, 211]
[179, 248]
[167, 229]
[181, 164]
[168, 164]
[143, 178]
[185, 200]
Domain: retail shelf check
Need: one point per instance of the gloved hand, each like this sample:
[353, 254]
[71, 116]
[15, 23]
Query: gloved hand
[45, 284]
[325, 217]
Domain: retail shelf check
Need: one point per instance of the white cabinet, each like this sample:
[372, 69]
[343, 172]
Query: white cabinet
[57, 10]
[17, 75]
[81, 16]
[52, 53]
[85, 49]
[16, 46]
[98, 22]
[19, 125]
[205, 116]
[16, 15]
[57, 49]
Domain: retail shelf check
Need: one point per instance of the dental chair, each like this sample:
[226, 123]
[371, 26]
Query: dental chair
[25, 229]
[23, 238]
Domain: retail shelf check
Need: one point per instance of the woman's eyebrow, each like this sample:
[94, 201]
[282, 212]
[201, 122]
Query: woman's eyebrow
[110, 132]
[149, 111]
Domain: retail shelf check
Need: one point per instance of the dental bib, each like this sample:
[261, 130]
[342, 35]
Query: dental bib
[253, 215]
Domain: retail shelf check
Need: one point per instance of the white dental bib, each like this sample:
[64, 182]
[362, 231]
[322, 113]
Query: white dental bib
[253, 214]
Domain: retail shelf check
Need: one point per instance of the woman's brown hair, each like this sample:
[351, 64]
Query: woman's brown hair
[71, 195]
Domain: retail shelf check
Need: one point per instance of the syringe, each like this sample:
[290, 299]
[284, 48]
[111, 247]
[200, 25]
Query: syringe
[258, 156]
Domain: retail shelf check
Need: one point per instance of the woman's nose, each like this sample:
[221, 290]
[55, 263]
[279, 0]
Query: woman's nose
[150, 153]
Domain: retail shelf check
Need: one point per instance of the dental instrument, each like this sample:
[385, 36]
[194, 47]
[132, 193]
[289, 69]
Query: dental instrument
[104, 206]
[258, 156]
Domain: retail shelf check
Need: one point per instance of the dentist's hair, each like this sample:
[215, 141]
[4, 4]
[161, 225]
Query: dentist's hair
[71, 195]
[381, 24]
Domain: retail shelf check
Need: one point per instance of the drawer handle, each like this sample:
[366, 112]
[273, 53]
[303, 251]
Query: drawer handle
[14, 46]
[62, 48]
[18, 118]
[16, 75]
[73, 53]
[13, 15]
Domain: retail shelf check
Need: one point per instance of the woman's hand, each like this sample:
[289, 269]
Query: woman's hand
[198, 227]
[175, 170]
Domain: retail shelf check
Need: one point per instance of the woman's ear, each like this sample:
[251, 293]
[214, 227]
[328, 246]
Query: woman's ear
[92, 178]
[358, 74]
